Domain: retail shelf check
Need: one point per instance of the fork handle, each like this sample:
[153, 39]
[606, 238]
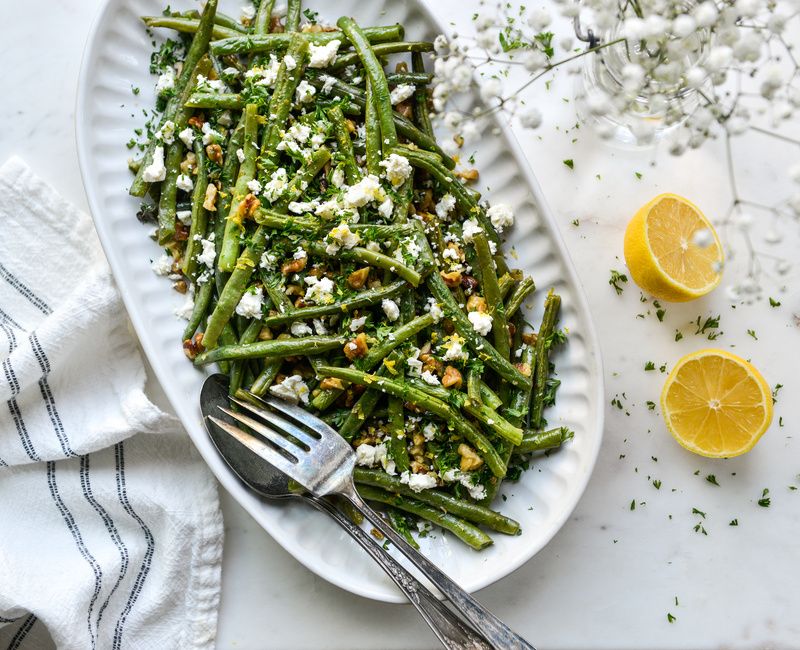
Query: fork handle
[448, 628]
[499, 635]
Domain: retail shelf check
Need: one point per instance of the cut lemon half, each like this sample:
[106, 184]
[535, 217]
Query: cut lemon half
[716, 404]
[672, 250]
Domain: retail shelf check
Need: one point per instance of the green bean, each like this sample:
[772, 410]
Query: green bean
[202, 300]
[238, 44]
[193, 55]
[282, 97]
[199, 215]
[229, 250]
[421, 110]
[219, 19]
[352, 173]
[543, 440]
[293, 16]
[544, 340]
[480, 346]
[277, 220]
[363, 407]
[381, 49]
[363, 299]
[169, 190]
[380, 351]
[491, 292]
[521, 291]
[396, 430]
[271, 349]
[377, 78]
[404, 126]
[271, 369]
[249, 335]
[466, 532]
[303, 177]
[189, 26]
[427, 402]
[373, 258]
[468, 510]
[505, 283]
[372, 139]
[412, 78]
[493, 421]
[489, 397]
[474, 384]
[261, 23]
[215, 101]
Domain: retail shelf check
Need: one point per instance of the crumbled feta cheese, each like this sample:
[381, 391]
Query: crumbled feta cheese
[434, 309]
[321, 56]
[418, 482]
[369, 455]
[501, 216]
[187, 137]
[240, 155]
[481, 322]
[292, 389]
[166, 81]
[184, 216]
[320, 290]
[401, 93]
[254, 186]
[492, 248]
[327, 86]
[385, 208]
[467, 479]
[209, 252]
[469, 229]
[429, 431]
[277, 185]
[268, 260]
[299, 328]
[304, 93]
[445, 206]
[397, 168]
[289, 62]
[300, 253]
[412, 247]
[391, 309]
[209, 85]
[342, 237]
[337, 177]
[184, 182]
[366, 190]
[450, 254]
[230, 71]
[319, 327]
[247, 13]
[430, 378]
[186, 309]
[268, 75]
[299, 207]
[155, 171]
[455, 351]
[357, 323]
[167, 132]
[414, 363]
[373, 246]
[327, 209]
[163, 265]
[209, 134]
[250, 304]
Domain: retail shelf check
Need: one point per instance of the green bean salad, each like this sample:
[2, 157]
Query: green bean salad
[334, 256]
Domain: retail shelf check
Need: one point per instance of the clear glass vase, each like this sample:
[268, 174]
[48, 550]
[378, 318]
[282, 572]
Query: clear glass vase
[629, 114]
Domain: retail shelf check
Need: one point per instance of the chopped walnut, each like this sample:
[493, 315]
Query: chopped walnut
[469, 458]
[275, 25]
[247, 207]
[294, 266]
[529, 338]
[265, 334]
[193, 346]
[431, 364]
[524, 368]
[209, 203]
[419, 466]
[197, 121]
[351, 126]
[357, 347]
[180, 286]
[189, 164]
[331, 383]
[357, 279]
[452, 378]
[214, 152]
[468, 175]
[476, 303]
[452, 279]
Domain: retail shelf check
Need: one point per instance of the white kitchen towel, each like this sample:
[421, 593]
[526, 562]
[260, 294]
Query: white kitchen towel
[110, 529]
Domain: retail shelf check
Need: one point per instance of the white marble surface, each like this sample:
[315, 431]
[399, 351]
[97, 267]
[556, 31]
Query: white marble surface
[608, 579]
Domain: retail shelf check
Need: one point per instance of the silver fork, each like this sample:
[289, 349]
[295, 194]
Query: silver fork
[313, 454]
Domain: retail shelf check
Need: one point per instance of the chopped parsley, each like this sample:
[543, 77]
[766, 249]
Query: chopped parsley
[671, 618]
[733, 522]
[774, 303]
[712, 479]
[753, 334]
[708, 327]
[651, 406]
[569, 163]
[615, 280]
[649, 366]
[764, 501]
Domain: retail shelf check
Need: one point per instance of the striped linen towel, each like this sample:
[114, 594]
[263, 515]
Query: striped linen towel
[110, 529]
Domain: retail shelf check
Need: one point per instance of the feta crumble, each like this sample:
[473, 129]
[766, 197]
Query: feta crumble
[254, 186]
[501, 216]
[166, 81]
[276, 185]
[418, 482]
[304, 93]
[366, 190]
[156, 171]
[434, 309]
[397, 169]
[391, 309]
[481, 322]
[163, 265]
[251, 303]
[341, 237]
[445, 206]
[369, 455]
[320, 290]
[240, 155]
[321, 56]
[187, 137]
[401, 93]
[184, 216]
[299, 328]
[469, 229]
[289, 62]
[167, 132]
[209, 252]
[430, 378]
[292, 389]
[184, 182]
[357, 323]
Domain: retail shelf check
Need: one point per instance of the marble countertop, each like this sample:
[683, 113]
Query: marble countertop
[610, 577]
